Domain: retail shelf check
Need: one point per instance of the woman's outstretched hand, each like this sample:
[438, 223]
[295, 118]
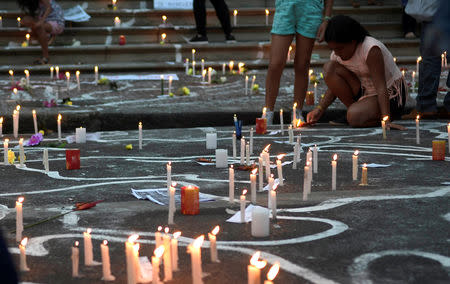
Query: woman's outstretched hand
[314, 115]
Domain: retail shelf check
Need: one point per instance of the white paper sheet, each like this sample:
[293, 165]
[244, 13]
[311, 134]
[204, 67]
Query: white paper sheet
[76, 14]
[131, 77]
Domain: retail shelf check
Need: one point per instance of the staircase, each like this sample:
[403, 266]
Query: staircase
[141, 25]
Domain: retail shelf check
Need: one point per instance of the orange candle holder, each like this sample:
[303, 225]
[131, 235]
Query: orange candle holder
[73, 159]
[190, 204]
[261, 125]
[310, 98]
[438, 150]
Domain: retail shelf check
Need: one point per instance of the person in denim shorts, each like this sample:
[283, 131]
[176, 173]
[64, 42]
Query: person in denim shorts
[306, 21]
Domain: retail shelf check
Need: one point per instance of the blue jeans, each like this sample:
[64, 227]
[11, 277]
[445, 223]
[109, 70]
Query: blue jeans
[429, 73]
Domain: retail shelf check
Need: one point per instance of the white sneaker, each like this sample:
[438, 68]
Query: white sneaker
[269, 117]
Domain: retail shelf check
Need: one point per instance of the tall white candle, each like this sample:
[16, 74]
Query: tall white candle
[417, 130]
[281, 122]
[212, 244]
[75, 260]
[186, 62]
[315, 159]
[242, 150]
[88, 253]
[273, 201]
[235, 12]
[280, 169]
[202, 66]
[383, 126]
[174, 250]
[253, 185]
[23, 255]
[35, 121]
[11, 76]
[59, 127]
[234, 144]
[417, 64]
[251, 140]
[231, 184]
[246, 85]
[316, 95]
[260, 173]
[364, 175]
[158, 237]
[271, 183]
[156, 260]
[27, 75]
[413, 81]
[193, 56]
[106, 265]
[131, 259]
[196, 259]
[5, 153]
[230, 65]
[68, 80]
[294, 115]
[266, 160]
[19, 219]
[291, 134]
[45, 160]
[294, 157]
[333, 172]
[51, 72]
[169, 174]
[267, 17]
[21, 153]
[77, 74]
[242, 204]
[355, 165]
[305, 181]
[140, 135]
[96, 74]
[224, 68]
[57, 72]
[171, 205]
[193, 68]
[247, 154]
[167, 256]
[203, 75]
[254, 269]
[170, 84]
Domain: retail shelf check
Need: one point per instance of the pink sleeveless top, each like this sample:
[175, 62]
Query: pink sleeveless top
[357, 64]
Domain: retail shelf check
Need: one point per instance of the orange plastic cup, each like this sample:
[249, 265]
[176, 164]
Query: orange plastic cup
[438, 150]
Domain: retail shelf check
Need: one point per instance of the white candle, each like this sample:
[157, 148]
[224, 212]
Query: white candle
[16, 123]
[266, 160]
[57, 72]
[11, 74]
[246, 85]
[163, 38]
[18, 21]
[260, 222]
[1, 22]
[169, 174]
[355, 165]
[68, 80]
[117, 22]
[27, 74]
[364, 175]
[280, 169]
[413, 81]
[235, 12]
[242, 204]
[253, 84]
[231, 184]
[96, 73]
[212, 244]
[316, 95]
[241, 67]
[35, 122]
[291, 134]
[202, 66]
[193, 56]
[294, 157]
[223, 68]
[5, 153]
[59, 127]
[170, 84]
[45, 160]
[21, 153]
[305, 181]
[211, 140]
[156, 260]
[196, 259]
[315, 159]
[130, 252]
[267, 17]
[417, 130]
[27, 37]
[251, 140]
[253, 185]
[333, 172]
[140, 135]
[23, 255]
[80, 135]
[289, 54]
[51, 72]
[19, 219]
[193, 68]
[234, 144]
[260, 173]
[383, 126]
[294, 115]
[417, 64]
[78, 80]
[167, 256]
[158, 237]
[106, 265]
[273, 201]
[174, 250]
[247, 154]
[230, 65]
[254, 269]
[264, 112]
[273, 271]
[271, 183]
[186, 66]
[1, 126]
[88, 254]
[281, 122]
[448, 134]
[172, 207]
[242, 150]
[75, 259]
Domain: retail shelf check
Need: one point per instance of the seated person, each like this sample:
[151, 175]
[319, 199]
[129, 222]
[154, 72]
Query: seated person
[362, 74]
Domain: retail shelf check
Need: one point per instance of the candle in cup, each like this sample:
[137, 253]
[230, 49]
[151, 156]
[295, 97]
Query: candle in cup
[174, 250]
[355, 165]
[280, 169]
[23, 255]
[212, 244]
[75, 259]
[333, 172]
[417, 130]
[254, 269]
[231, 184]
[106, 265]
[196, 259]
[364, 175]
[59, 127]
[273, 272]
[19, 218]
[242, 204]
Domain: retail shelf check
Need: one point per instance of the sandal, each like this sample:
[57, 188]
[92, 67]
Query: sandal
[41, 61]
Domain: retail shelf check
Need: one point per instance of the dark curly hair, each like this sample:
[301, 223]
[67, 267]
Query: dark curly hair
[343, 29]
[29, 6]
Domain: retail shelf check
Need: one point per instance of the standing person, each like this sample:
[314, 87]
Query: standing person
[408, 23]
[362, 74]
[222, 13]
[356, 4]
[305, 21]
[46, 20]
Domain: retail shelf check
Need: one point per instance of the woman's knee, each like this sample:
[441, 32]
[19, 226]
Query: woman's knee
[276, 65]
[355, 117]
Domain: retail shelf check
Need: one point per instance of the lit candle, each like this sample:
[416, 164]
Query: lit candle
[333, 172]
[364, 175]
[253, 185]
[269, 199]
[289, 54]
[448, 134]
[254, 269]
[383, 125]
[1, 126]
[260, 173]
[316, 95]
[246, 85]
[16, 122]
[59, 126]
[193, 68]
[162, 85]
[417, 130]
[230, 65]
[186, 66]
[223, 68]
[413, 81]
[242, 203]
[247, 154]
[68, 80]
[167, 256]
[266, 160]
[267, 17]
[273, 201]
[170, 84]
[23, 255]
[174, 250]
[281, 122]
[1, 22]
[18, 21]
[234, 144]
[273, 271]
[45, 160]
[403, 73]
[21, 153]
[280, 169]
[130, 252]
[11, 74]
[78, 80]
[75, 259]
[163, 38]
[117, 22]
[95, 73]
[114, 4]
[442, 60]
[171, 203]
[27, 74]
[27, 37]
[395, 59]
[164, 19]
[196, 259]
[19, 219]
[251, 139]
[5, 154]
[193, 55]
[57, 72]
[156, 260]
[169, 174]
[315, 159]
[235, 12]
[88, 254]
[291, 134]
[355, 165]
[158, 237]
[203, 75]
[140, 135]
[417, 64]
[212, 244]
[309, 75]
[51, 72]
[253, 84]
[231, 184]
[305, 181]
[202, 66]
[240, 68]
[106, 266]
[264, 112]
[242, 150]
[35, 121]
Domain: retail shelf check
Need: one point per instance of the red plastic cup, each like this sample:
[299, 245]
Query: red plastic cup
[190, 203]
[261, 126]
[73, 159]
[438, 150]
[310, 98]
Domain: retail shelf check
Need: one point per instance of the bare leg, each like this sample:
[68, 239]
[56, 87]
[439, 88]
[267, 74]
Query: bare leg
[41, 34]
[341, 82]
[303, 50]
[364, 113]
[278, 54]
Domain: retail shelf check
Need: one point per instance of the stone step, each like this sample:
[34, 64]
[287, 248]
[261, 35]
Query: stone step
[240, 51]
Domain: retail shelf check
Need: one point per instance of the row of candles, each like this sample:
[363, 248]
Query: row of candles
[166, 247]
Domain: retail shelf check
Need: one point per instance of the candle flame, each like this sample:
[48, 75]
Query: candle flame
[267, 12]
[116, 19]
[6, 141]
[133, 238]
[95, 68]
[24, 241]
[235, 12]
[21, 141]
[273, 272]
[231, 167]
[163, 36]
[193, 51]
[385, 118]
[311, 72]
[136, 247]
[140, 123]
[299, 122]
[266, 149]
[18, 107]
[295, 105]
[19, 19]
[419, 59]
[244, 192]
[33, 112]
[159, 251]
[77, 73]
[27, 36]
[174, 184]
[77, 243]
[281, 110]
[89, 230]
[20, 199]
[356, 152]
[215, 231]
[1, 120]
[176, 235]
[105, 242]
[164, 18]
[166, 230]
[159, 228]
[264, 109]
[281, 156]
[257, 263]
[11, 72]
[198, 241]
[67, 75]
[364, 165]
[254, 171]
[290, 48]
[59, 117]
[334, 157]
[274, 188]
[417, 117]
